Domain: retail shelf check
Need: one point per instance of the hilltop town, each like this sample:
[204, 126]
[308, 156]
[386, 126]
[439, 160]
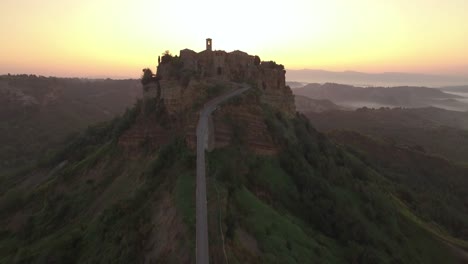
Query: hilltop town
[178, 78]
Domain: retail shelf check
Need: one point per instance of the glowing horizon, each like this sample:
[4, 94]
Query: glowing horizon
[118, 39]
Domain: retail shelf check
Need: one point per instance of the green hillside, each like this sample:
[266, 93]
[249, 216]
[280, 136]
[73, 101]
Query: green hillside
[313, 202]
[316, 202]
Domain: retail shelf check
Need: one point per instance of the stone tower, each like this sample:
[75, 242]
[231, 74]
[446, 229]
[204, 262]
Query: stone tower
[209, 44]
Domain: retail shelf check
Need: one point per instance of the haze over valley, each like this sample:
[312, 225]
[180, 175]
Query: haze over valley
[449, 98]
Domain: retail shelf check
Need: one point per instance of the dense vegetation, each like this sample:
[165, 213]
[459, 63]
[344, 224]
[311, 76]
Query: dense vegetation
[318, 202]
[430, 130]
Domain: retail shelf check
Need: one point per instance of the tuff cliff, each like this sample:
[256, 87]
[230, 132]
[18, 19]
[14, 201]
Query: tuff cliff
[183, 83]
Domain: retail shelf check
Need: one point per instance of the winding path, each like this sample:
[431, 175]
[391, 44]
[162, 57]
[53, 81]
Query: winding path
[202, 252]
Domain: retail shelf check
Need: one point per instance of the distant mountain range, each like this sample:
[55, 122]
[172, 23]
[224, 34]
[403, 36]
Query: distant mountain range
[375, 79]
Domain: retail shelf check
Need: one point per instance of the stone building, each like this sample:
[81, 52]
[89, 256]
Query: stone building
[235, 66]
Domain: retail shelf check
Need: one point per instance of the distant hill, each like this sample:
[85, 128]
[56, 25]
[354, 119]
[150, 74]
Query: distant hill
[431, 130]
[404, 96]
[306, 104]
[37, 113]
[378, 79]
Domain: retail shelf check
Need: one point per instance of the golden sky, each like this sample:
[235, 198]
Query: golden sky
[89, 38]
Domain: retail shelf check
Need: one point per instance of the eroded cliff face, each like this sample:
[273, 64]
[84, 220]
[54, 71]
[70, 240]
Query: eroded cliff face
[272, 82]
[183, 84]
[240, 121]
[243, 124]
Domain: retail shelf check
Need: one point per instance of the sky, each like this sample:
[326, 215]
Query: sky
[103, 38]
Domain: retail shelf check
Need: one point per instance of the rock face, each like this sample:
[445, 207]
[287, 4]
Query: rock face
[181, 76]
[272, 82]
[246, 124]
[239, 123]
[242, 122]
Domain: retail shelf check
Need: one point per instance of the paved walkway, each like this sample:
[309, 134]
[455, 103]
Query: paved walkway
[202, 252]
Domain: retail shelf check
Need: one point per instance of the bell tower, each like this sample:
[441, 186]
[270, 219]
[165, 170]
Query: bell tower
[209, 44]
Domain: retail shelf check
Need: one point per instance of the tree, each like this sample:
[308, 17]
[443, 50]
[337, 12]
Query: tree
[147, 76]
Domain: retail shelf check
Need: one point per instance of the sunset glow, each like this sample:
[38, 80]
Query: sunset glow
[90, 38]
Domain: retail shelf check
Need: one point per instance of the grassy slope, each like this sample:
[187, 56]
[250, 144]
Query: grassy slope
[314, 203]
[433, 188]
